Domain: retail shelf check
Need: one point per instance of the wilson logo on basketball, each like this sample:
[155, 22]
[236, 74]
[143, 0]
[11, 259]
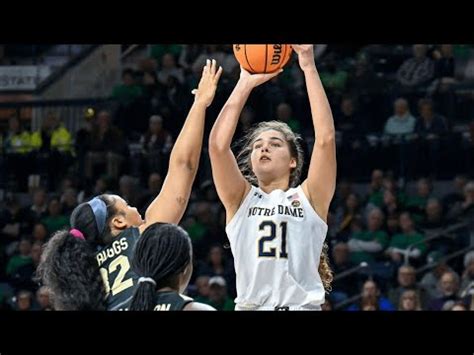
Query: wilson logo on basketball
[262, 58]
[276, 57]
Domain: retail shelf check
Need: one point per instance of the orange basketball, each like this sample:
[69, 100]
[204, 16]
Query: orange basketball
[262, 58]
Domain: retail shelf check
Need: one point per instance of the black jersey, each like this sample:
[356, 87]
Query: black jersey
[171, 301]
[115, 261]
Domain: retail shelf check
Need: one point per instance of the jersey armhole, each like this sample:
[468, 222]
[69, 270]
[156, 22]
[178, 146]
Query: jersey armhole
[306, 199]
[242, 204]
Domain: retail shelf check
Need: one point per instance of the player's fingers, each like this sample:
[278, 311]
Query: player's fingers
[213, 67]
[218, 75]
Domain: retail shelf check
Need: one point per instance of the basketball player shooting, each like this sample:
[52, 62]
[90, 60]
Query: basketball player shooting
[276, 226]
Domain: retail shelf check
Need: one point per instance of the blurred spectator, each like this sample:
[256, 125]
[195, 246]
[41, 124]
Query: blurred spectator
[23, 301]
[369, 304]
[372, 299]
[128, 91]
[246, 121]
[368, 244]
[409, 301]
[154, 187]
[348, 120]
[465, 208]
[53, 137]
[157, 144]
[40, 232]
[430, 281]
[16, 146]
[174, 102]
[11, 221]
[169, 69]
[416, 204]
[128, 190]
[38, 210]
[457, 195]
[402, 122]
[351, 128]
[108, 147]
[55, 220]
[188, 55]
[218, 294]
[284, 113]
[391, 205]
[445, 69]
[408, 244]
[157, 51]
[202, 286]
[416, 71]
[24, 276]
[216, 265]
[333, 77]
[345, 216]
[68, 201]
[375, 194]
[449, 286]
[431, 129]
[343, 190]
[430, 125]
[393, 224]
[43, 299]
[23, 258]
[407, 282]
[347, 286]
[129, 115]
[444, 62]
[434, 218]
[223, 58]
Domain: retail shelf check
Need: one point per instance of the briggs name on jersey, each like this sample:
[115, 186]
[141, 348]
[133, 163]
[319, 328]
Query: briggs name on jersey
[115, 249]
[297, 212]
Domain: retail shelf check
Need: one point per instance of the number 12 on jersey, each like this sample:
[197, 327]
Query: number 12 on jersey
[271, 252]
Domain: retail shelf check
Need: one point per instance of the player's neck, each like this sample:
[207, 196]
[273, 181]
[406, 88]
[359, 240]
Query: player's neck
[270, 186]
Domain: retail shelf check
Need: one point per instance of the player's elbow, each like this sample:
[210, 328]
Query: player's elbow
[186, 164]
[326, 139]
[216, 147]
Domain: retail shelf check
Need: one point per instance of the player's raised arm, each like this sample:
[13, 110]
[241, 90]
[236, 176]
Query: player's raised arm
[321, 182]
[230, 184]
[170, 204]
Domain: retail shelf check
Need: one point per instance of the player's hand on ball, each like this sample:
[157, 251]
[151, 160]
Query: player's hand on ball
[305, 54]
[254, 80]
[208, 84]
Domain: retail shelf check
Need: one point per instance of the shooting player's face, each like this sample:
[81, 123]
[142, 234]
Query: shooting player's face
[129, 214]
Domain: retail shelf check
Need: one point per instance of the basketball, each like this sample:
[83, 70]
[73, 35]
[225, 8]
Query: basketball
[262, 58]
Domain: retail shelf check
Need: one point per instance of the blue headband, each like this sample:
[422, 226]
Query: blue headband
[99, 209]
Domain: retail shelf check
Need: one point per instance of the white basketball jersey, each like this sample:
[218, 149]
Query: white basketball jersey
[276, 240]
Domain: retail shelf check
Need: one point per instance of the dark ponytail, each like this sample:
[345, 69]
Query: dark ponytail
[84, 219]
[69, 268]
[161, 254]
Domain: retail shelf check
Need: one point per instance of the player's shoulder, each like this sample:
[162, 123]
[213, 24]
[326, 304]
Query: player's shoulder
[130, 232]
[197, 306]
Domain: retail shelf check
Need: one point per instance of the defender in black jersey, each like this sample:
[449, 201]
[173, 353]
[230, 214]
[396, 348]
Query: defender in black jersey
[163, 262]
[114, 262]
[108, 222]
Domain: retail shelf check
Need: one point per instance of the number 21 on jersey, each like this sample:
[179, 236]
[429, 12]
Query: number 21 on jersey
[272, 231]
